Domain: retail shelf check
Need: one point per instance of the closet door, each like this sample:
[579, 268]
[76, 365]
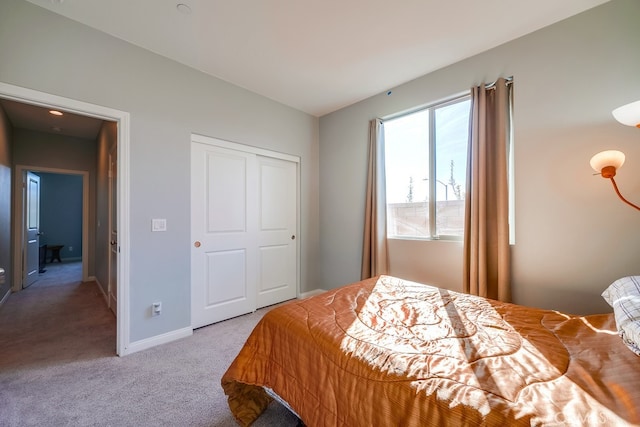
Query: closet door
[223, 223]
[277, 246]
[243, 227]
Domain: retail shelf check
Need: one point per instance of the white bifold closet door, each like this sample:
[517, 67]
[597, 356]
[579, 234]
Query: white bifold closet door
[244, 225]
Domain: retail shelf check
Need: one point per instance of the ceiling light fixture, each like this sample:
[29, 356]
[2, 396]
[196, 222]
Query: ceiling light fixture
[55, 112]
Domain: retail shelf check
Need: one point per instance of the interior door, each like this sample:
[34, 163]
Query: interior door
[32, 229]
[113, 229]
[277, 230]
[224, 229]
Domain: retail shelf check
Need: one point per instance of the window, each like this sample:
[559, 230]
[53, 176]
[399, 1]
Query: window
[425, 168]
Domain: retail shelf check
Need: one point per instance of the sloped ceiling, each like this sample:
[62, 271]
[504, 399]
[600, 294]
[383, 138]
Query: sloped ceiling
[317, 55]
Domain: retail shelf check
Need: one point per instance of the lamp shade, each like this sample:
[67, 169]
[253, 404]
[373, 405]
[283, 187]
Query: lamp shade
[607, 158]
[628, 114]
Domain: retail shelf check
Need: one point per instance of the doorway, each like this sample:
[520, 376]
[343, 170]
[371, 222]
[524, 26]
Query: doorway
[41, 99]
[49, 234]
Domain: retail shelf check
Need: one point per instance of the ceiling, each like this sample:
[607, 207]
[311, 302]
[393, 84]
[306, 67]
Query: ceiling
[317, 55]
[33, 117]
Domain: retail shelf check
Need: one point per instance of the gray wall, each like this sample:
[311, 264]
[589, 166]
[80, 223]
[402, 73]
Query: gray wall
[32, 148]
[5, 202]
[61, 213]
[573, 236]
[167, 102]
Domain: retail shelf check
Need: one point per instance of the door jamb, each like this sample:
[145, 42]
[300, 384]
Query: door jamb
[122, 118]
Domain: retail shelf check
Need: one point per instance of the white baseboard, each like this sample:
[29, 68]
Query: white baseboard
[311, 293]
[113, 303]
[104, 294]
[158, 340]
[5, 297]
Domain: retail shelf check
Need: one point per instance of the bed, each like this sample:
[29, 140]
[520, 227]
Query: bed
[389, 352]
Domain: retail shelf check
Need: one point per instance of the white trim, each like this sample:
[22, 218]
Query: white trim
[43, 99]
[5, 297]
[158, 340]
[210, 140]
[104, 295]
[124, 257]
[112, 302]
[20, 173]
[314, 292]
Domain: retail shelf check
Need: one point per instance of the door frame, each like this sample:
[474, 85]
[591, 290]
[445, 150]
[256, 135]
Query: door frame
[18, 209]
[122, 118]
[110, 221]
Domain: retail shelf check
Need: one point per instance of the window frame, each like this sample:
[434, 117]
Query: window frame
[431, 108]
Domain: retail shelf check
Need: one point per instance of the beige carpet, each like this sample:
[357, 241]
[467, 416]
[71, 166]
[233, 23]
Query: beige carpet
[58, 365]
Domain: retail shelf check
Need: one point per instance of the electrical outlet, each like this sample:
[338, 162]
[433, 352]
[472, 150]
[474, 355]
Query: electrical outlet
[156, 308]
[70, 248]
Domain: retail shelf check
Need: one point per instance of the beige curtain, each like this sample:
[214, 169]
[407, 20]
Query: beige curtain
[486, 238]
[374, 250]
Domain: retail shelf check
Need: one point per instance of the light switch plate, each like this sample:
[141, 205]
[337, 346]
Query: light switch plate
[158, 224]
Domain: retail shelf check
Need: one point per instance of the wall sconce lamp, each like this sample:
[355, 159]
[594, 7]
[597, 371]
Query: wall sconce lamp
[607, 162]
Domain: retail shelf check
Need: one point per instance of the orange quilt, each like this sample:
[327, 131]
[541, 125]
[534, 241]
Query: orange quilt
[388, 352]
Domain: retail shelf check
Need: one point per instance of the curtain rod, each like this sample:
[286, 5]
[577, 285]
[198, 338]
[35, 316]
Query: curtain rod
[493, 85]
[449, 100]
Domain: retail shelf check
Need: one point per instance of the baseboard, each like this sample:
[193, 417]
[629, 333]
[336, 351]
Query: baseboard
[104, 294]
[5, 297]
[312, 293]
[113, 303]
[146, 343]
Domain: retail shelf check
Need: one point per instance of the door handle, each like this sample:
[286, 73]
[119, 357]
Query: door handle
[113, 242]
[197, 244]
[293, 237]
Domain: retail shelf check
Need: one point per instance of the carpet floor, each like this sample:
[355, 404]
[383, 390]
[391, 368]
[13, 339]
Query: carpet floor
[58, 365]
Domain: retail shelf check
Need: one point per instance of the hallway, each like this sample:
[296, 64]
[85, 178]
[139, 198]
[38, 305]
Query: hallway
[55, 321]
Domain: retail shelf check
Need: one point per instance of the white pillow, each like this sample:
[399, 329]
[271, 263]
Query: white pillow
[624, 296]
